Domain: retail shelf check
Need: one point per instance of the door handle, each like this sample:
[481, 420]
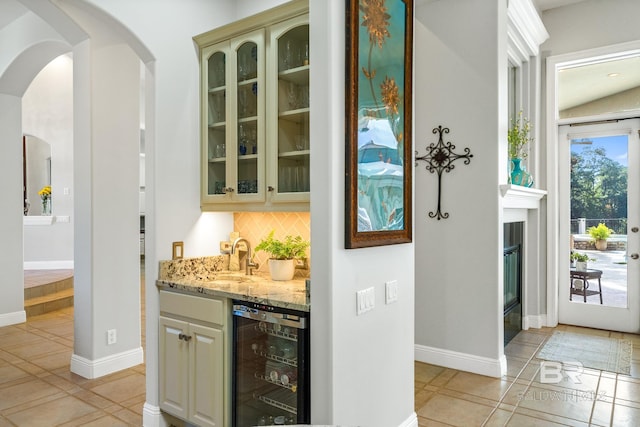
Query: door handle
[635, 256]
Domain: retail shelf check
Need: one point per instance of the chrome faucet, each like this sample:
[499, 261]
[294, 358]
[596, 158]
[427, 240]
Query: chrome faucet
[249, 264]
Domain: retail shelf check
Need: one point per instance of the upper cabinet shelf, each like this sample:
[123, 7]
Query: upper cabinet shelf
[255, 112]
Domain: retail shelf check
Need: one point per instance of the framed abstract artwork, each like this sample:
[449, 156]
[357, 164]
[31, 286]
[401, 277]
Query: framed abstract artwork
[378, 168]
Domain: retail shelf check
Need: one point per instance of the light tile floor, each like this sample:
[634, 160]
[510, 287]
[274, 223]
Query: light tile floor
[37, 388]
[446, 397]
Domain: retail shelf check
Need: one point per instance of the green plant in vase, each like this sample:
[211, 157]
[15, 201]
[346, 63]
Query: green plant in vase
[600, 234]
[283, 253]
[580, 260]
[518, 137]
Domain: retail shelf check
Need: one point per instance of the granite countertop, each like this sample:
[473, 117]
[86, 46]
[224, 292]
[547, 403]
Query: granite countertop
[210, 276]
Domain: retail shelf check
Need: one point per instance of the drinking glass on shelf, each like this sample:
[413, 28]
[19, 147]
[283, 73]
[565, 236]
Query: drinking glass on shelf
[242, 103]
[219, 70]
[242, 140]
[254, 142]
[304, 97]
[220, 150]
[304, 174]
[243, 64]
[287, 55]
[219, 107]
[292, 95]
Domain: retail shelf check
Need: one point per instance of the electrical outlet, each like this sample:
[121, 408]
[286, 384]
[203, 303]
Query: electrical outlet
[365, 300]
[391, 291]
[111, 337]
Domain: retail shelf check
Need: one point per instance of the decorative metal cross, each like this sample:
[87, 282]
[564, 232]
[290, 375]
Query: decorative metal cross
[440, 157]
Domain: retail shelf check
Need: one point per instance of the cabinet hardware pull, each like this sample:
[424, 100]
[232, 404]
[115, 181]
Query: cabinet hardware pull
[229, 190]
[270, 188]
[635, 256]
[184, 337]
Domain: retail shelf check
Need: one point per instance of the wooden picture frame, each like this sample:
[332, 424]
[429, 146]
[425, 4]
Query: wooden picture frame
[378, 98]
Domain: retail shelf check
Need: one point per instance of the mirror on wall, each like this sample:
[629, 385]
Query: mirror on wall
[36, 174]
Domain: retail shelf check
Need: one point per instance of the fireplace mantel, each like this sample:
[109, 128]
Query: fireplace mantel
[519, 197]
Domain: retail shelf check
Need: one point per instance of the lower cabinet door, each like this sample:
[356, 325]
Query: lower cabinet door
[174, 363]
[206, 374]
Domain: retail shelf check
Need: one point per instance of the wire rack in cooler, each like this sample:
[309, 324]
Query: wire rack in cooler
[291, 362]
[282, 333]
[281, 399]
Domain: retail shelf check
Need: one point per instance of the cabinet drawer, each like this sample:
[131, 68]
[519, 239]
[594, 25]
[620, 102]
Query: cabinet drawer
[199, 308]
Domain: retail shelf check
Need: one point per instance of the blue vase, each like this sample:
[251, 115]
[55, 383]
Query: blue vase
[519, 176]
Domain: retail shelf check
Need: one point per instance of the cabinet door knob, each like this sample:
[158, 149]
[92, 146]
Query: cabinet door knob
[184, 337]
[635, 256]
[634, 229]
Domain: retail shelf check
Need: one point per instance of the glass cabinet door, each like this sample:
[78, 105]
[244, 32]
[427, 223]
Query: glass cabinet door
[290, 44]
[247, 112]
[248, 136]
[215, 79]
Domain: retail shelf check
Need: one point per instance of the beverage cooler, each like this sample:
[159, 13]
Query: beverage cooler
[270, 365]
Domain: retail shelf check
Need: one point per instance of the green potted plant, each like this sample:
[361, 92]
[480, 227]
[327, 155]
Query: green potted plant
[283, 253]
[600, 234]
[518, 137]
[581, 260]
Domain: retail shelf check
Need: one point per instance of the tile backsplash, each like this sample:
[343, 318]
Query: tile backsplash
[254, 226]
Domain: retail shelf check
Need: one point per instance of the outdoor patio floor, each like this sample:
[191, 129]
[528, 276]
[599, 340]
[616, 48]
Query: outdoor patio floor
[614, 282]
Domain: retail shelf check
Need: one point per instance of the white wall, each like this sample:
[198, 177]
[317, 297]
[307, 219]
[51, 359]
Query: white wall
[12, 301]
[590, 24]
[362, 366]
[461, 84]
[47, 113]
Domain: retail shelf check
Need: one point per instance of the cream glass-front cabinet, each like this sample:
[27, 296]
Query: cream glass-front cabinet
[255, 112]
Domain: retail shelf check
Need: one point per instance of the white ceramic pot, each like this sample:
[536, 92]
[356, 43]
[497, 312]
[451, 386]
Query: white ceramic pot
[281, 269]
[581, 266]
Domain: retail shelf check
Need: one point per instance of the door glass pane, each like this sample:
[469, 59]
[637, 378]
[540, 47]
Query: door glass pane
[599, 200]
[247, 100]
[216, 124]
[293, 111]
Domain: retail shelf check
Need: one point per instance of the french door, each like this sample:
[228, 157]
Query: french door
[599, 180]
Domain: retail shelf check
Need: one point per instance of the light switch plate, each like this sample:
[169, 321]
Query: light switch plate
[391, 291]
[365, 300]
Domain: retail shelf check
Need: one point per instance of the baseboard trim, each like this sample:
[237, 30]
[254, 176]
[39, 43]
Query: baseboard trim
[49, 265]
[412, 421]
[106, 365]
[14, 318]
[536, 322]
[151, 416]
[461, 361]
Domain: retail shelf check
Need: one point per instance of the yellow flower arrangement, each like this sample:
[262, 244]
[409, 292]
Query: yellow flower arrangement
[45, 192]
[45, 195]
